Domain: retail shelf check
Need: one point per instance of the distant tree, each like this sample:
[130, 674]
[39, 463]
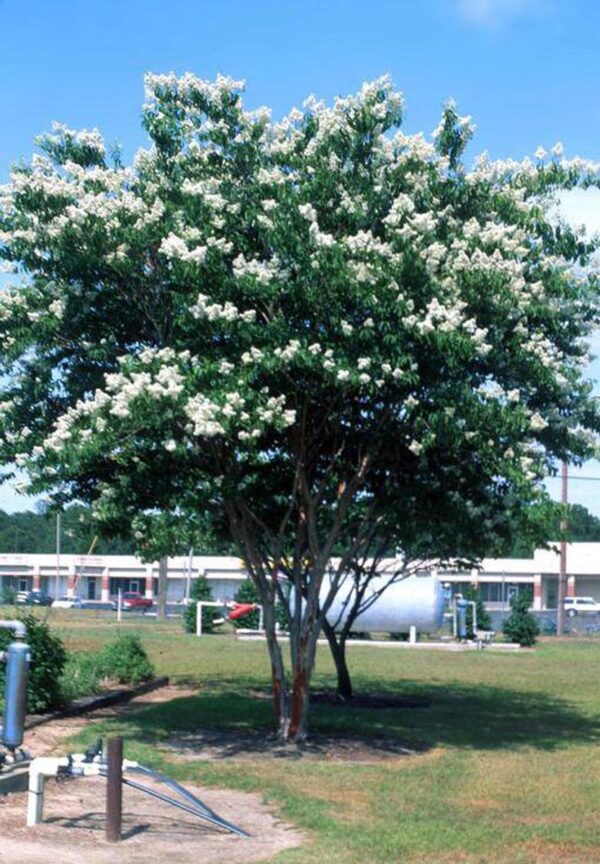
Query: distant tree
[582, 527]
[35, 532]
[521, 626]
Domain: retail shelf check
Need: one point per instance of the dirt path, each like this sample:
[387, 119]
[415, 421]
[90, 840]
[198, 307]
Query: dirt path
[73, 828]
[47, 739]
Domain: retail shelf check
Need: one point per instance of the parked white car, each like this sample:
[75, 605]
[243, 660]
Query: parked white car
[581, 606]
[67, 603]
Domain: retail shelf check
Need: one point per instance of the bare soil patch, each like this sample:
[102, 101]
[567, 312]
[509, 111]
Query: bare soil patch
[73, 828]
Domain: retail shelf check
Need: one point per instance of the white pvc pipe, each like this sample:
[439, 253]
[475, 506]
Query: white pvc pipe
[199, 606]
[17, 626]
[40, 768]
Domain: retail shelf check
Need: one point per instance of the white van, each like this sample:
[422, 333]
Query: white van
[581, 606]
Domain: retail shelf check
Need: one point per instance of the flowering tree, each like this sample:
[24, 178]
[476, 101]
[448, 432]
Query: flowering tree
[322, 332]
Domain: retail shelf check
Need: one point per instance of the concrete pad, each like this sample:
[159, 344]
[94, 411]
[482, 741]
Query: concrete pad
[14, 779]
[419, 646]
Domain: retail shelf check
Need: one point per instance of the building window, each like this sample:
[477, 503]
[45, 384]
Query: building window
[500, 592]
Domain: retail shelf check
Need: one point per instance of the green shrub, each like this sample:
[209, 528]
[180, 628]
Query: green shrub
[125, 661]
[521, 626]
[8, 596]
[81, 676]
[48, 658]
[200, 590]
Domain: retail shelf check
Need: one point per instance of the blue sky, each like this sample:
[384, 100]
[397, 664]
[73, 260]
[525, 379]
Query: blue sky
[526, 70]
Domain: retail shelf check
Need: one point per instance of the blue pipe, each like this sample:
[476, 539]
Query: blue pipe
[15, 694]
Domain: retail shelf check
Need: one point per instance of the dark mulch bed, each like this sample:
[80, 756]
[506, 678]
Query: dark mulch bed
[372, 701]
[369, 700]
[244, 744]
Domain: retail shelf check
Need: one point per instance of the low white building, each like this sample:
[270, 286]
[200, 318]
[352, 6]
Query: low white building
[99, 577]
[498, 579]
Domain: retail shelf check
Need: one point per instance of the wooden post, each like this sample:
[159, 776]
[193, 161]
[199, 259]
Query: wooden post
[114, 789]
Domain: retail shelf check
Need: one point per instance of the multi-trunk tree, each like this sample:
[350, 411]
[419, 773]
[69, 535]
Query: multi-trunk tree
[326, 334]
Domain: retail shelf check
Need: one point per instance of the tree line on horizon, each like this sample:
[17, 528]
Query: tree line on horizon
[31, 532]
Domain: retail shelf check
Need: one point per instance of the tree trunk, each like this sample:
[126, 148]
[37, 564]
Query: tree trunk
[304, 634]
[278, 679]
[161, 602]
[291, 710]
[303, 662]
[338, 652]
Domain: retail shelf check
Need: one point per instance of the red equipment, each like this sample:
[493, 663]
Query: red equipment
[241, 609]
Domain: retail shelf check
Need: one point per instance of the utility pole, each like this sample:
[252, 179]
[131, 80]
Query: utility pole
[57, 591]
[163, 573]
[562, 574]
[188, 579]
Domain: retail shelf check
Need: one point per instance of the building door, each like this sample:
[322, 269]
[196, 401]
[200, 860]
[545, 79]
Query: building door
[91, 589]
[134, 586]
[511, 593]
[552, 594]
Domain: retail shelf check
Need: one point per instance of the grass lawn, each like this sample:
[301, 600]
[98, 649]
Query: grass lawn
[510, 768]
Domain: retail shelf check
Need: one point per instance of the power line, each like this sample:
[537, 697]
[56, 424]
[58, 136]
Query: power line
[573, 478]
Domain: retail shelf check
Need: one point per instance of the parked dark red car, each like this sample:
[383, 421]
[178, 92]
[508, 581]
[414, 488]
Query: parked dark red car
[132, 600]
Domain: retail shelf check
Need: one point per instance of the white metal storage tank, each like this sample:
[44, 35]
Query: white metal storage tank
[417, 601]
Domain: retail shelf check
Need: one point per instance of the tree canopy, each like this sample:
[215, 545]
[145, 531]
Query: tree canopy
[322, 332]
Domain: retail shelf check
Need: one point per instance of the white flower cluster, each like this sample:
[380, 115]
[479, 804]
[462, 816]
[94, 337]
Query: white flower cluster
[208, 191]
[88, 138]
[220, 311]
[121, 390]
[263, 271]
[272, 412]
[290, 350]
[210, 418]
[11, 300]
[174, 247]
[537, 422]
[320, 238]
[57, 307]
[188, 86]
[168, 382]
[525, 172]
[464, 124]
[203, 413]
